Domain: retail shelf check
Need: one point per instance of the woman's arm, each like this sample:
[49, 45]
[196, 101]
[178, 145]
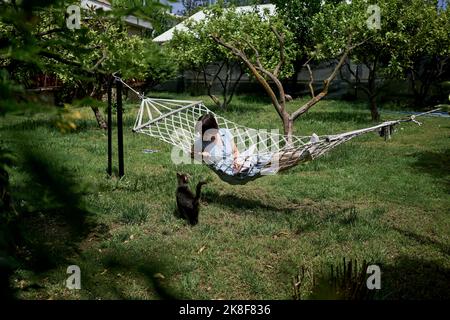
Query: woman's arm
[236, 165]
[199, 152]
[235, 151]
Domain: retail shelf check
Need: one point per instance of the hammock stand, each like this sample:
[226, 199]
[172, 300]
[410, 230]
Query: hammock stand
[174, 122]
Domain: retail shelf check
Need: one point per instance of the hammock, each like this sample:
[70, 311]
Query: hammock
[174, 122]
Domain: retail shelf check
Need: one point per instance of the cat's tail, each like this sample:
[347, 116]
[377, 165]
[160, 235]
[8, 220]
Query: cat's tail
[198, 190]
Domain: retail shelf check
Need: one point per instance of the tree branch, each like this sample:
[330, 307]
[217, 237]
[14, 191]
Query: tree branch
[240, 54]
[233, 88]
[311, 80]
[59, 58]
[45, 33]
[100, 61]
[209, 84]
[303, 109]
[357, 83]
[258, 61]
[272, 76]
[280, 37]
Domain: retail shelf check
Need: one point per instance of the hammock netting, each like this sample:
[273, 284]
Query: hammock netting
[174, 122]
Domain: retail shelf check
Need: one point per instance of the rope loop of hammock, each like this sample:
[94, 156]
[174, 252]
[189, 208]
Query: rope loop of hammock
[119, 79]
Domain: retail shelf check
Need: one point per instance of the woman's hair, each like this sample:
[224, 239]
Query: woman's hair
[207, 122]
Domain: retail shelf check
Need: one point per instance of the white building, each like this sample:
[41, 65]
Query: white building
[166, 36]
[135, 24]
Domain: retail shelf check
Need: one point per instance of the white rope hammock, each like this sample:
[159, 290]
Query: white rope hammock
[174, 122]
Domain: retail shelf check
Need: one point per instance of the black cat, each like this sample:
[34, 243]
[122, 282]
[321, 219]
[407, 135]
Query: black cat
[188, 204]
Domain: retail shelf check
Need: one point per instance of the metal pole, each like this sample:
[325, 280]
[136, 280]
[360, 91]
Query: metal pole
[109, 170]
[120, 127]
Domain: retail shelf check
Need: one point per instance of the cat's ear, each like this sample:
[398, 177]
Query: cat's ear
[178, 174]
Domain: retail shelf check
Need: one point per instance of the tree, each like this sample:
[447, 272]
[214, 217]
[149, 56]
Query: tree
[298, 16]
[149, 10]
[160, 66]
[191, 6]
[344, 18]
[195, 50]
[406, 31]
[427, 57]
[83, 59]
[268, 55]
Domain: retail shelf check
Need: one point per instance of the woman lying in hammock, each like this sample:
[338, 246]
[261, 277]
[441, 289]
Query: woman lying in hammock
[217, 148]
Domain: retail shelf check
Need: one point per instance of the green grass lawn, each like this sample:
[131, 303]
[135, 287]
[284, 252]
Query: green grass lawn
[382, 202]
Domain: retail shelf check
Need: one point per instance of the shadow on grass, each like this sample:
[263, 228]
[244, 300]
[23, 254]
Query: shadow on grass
[424, 240]
[140, 267]
[435, 164]
[312, 213]
[343, 281]
[415, 279]
[405, 279]
[240, 203]
[51, 220]
[53, 224]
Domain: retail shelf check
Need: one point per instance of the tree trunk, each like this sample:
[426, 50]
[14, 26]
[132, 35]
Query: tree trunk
[209, 83]
[228, 88]
[97, 94]
[420, 90]
[372, 86]
[100, 120]
[417, 97]
[374, 108]
[288, 127]
[232, 87]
